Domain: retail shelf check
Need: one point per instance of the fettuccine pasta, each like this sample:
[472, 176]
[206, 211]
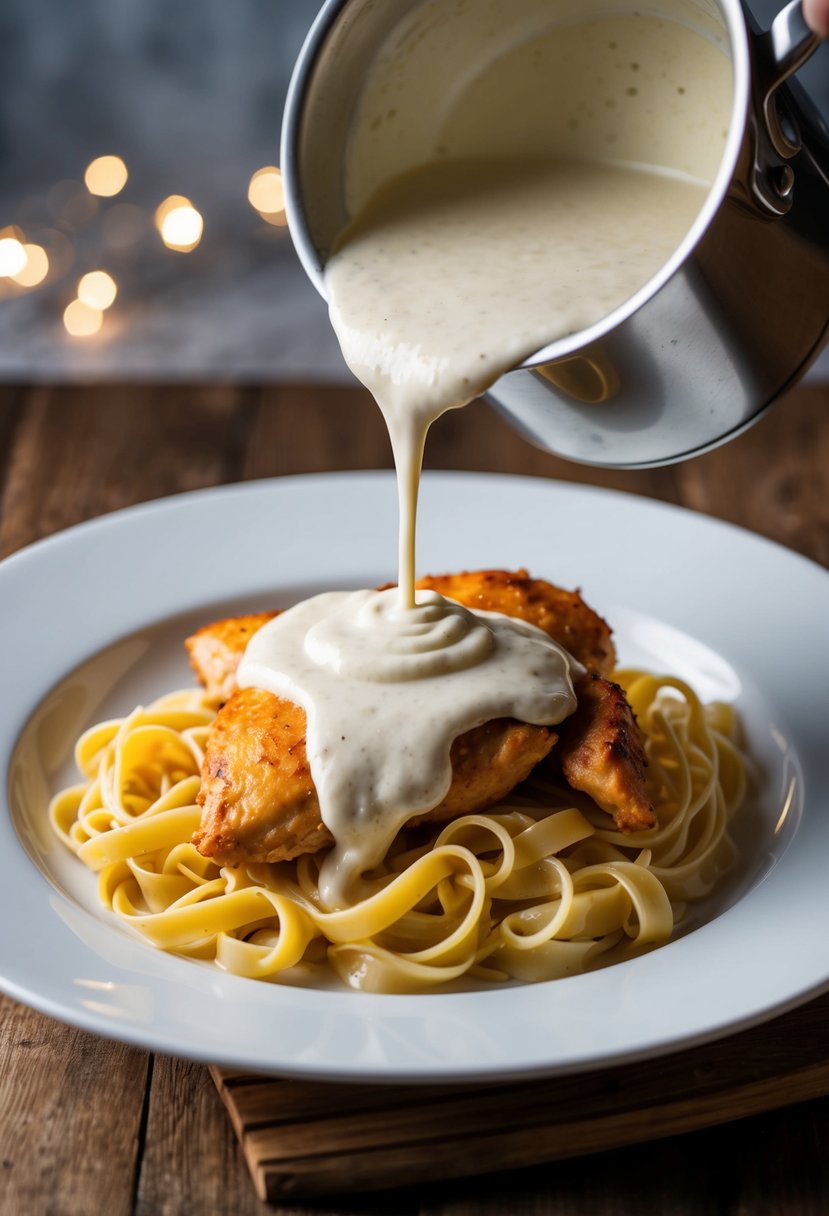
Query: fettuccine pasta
[539, 887]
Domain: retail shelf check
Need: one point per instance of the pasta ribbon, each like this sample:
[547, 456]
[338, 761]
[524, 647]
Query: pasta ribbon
[535, 889]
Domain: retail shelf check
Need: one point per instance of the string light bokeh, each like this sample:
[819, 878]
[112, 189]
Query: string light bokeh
[111, 231]
[179, 224]
[97, 289]
[82, 320]
[36, 266]
[106, 176]
[12, 256]
[267, 196]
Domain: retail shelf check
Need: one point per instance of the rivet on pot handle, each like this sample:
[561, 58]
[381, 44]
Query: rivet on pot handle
[779, 52]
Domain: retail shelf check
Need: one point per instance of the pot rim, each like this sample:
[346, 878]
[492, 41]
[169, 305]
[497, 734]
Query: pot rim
[738, 37]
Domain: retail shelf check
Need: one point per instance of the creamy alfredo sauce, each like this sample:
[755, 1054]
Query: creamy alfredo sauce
[457, 271]
[386, 688]
[451, 274]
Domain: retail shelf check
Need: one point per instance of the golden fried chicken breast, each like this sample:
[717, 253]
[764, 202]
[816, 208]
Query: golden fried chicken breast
[601, 753]
[561, 614]
[600, 748]
[259, 801]
[216, 650]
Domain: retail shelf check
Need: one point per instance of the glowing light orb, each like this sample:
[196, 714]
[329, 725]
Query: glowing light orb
[12, 256]
[36, 267]
[179, 223]
[105, 176]
[97, 289]
[266, 195]
[81, 320]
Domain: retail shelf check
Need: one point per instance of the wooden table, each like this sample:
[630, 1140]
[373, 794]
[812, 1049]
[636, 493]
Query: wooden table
[88, 1126]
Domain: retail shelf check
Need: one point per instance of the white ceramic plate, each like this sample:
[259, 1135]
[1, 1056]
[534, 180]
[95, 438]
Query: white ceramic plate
[91, 623]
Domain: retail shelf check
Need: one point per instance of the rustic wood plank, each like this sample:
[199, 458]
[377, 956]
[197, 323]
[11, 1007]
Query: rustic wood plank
[315, 1139]
[773, 1163]
[190, 1162]
[774, 479]
[782, 1166]
[770, 1165]
[59, 1144]
[268, 1102]
[80, 452]
[314, 429]
[12, 400]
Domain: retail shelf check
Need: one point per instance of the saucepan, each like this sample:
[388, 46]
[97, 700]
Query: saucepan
[731, 320]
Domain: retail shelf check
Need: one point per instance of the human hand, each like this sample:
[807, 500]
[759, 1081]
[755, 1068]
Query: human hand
[816, 13]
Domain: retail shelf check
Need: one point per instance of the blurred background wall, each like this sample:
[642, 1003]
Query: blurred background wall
[189, 93]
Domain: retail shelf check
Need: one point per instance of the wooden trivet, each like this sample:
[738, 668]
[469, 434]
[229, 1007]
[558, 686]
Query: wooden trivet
[305, 1139]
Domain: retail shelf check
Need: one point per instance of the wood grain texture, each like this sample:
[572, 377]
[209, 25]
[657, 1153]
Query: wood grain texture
[78, 452]
[59, 1144]
[320, 429]
[81, 1131]
[773, 479]
[769, 1165]
[189, 1153]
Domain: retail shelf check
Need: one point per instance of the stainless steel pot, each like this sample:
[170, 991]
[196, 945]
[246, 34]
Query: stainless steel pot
[729, 323]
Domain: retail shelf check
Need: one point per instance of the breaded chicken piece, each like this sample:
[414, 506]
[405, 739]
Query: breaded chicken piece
[601, 753]
[600, 748]
[216, 650]
[561, 614]
[259, 800]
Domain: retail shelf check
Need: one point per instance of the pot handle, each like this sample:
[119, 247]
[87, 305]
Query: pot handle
[781, 51]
